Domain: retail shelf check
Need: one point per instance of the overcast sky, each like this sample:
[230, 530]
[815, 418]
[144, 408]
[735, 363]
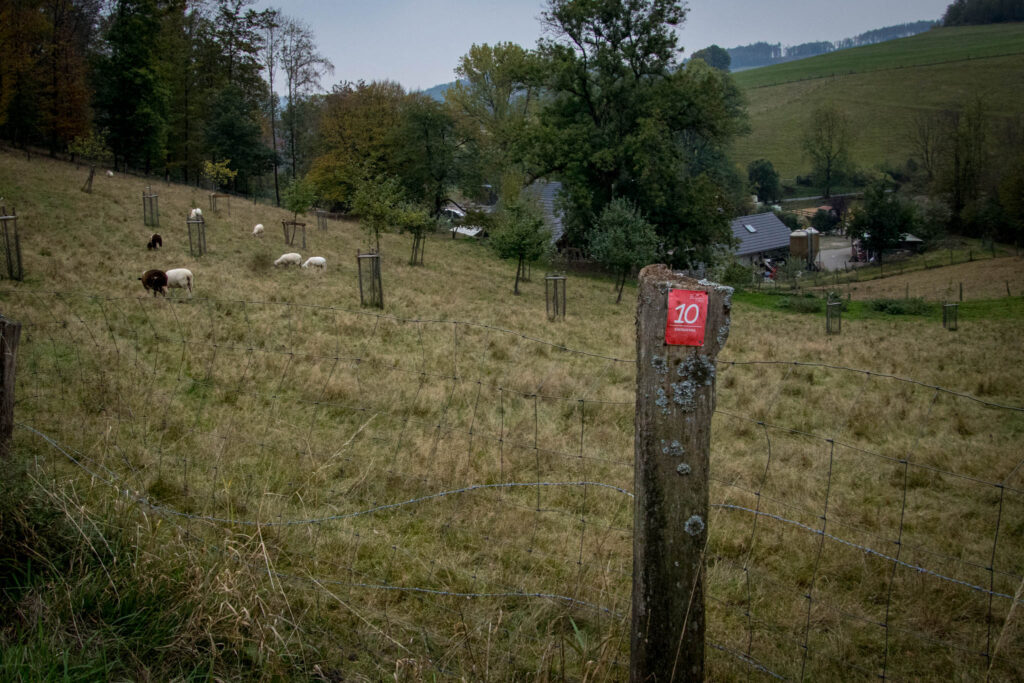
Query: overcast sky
[418, 42]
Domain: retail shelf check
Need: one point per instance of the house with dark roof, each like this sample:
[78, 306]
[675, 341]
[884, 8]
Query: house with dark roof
[545, 192]
[760, 236]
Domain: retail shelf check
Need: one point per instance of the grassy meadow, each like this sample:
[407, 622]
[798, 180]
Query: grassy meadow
[268, 481]
[880, 87]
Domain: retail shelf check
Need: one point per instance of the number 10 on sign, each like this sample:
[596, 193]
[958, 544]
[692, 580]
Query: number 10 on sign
[687, 316]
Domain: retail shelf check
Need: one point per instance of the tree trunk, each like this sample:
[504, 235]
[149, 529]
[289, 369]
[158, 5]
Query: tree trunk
[519, 269]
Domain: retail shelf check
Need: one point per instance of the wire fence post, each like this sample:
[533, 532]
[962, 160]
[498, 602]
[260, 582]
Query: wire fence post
[682, 324]
[10, 335]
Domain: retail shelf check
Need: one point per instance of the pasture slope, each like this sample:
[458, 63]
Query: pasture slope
[881, 87]
[268, 482]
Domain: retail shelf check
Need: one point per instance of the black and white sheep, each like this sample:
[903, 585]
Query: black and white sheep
[155, 280]
[155, 242]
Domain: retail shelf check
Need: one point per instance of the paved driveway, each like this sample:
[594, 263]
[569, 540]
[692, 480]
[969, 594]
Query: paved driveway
[834, 259]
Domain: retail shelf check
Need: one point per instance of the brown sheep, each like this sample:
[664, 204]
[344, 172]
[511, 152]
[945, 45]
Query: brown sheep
[155, 280]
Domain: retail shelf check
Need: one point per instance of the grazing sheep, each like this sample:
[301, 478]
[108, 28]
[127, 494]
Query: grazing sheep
[288, 259]
[155, 242]
[316, 262]
[180, 278]
[257, 231]
[155, 280]
[110, 174]
[196, 214]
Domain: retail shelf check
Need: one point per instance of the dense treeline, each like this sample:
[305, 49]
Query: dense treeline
[967, 12]
[187, 89]
[765, 54]
[167, 85]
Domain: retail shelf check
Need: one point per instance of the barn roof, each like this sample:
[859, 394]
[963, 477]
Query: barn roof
[759, 232]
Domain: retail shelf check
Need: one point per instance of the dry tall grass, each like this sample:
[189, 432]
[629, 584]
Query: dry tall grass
[344, 494]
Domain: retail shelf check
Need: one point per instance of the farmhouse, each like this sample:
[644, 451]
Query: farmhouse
[760, 236]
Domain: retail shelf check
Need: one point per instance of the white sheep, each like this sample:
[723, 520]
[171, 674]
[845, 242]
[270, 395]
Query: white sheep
[316, 262]
[180, 278]
[196, 214]
[288, 259]
[110, 174]
[257, 230]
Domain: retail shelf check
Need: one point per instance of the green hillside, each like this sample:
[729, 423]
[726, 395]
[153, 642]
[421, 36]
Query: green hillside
[880, 87]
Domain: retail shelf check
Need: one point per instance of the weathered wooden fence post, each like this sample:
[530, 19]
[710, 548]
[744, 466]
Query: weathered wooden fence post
[682, 324]
[10, 335]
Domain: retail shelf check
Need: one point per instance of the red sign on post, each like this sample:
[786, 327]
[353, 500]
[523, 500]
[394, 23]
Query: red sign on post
[687, 315]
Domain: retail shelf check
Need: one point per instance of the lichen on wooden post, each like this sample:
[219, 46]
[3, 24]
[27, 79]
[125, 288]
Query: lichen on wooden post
[675, 400]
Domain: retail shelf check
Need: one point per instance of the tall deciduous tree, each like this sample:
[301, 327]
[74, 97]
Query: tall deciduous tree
[883, 220]
[302, 66]
[624, 120]
[715, 56]
[233, 132]
[495, 101]
[764, 180]
[357, 137]
[826, 142]
[270, 56]
[962, 158]
[131, 100]
[429, 151]
[71, 28]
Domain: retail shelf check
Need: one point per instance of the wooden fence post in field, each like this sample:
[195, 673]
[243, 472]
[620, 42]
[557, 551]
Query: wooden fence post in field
[10, 335]
[682, 324]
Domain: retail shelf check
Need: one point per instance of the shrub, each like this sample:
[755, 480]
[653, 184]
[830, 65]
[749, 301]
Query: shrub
[737, 275]
[900, 306]
[802, 304]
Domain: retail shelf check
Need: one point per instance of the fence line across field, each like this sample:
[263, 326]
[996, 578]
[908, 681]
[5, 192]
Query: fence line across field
[76, 340]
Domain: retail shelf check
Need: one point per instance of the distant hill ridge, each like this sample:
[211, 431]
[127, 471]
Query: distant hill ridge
[765, 54]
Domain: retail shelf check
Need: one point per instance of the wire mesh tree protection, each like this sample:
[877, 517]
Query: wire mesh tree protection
[321, 219]
[371, 288]
[949, 312]
[196, 236]
[291, 228]
[215, 198]
[833, 317]
[554, 296]
[466, 489]
[150, 208]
